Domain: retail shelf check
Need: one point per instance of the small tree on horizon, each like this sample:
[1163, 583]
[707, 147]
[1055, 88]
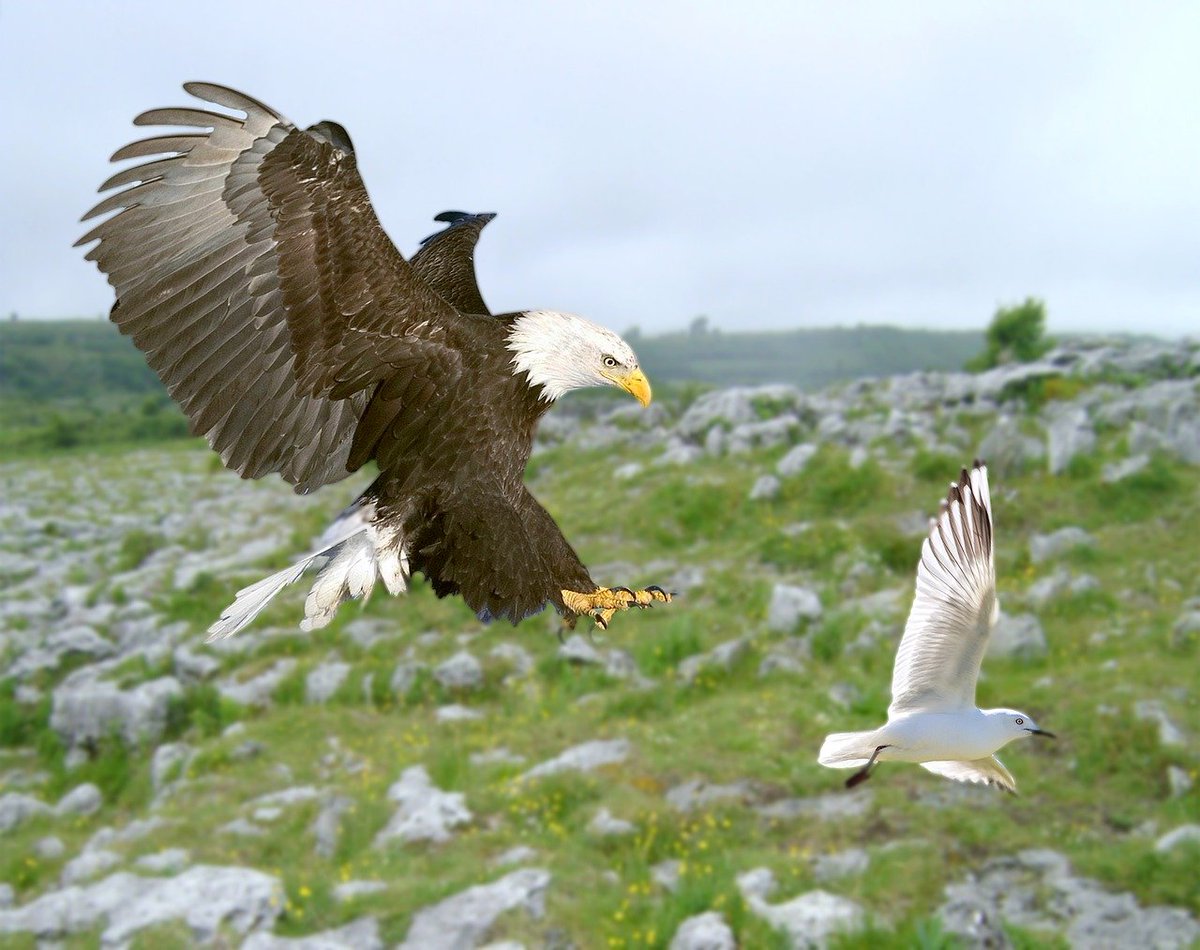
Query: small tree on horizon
[1017, 334]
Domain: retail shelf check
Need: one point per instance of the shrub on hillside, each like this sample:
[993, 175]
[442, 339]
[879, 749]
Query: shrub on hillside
[1016, 335]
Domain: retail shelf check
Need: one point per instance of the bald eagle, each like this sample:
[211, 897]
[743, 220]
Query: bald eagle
[251, 270]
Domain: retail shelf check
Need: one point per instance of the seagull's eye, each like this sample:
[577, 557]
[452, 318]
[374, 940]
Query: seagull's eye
[1020, 721]
[609, 361]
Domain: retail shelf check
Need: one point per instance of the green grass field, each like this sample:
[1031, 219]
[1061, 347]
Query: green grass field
[835, 529]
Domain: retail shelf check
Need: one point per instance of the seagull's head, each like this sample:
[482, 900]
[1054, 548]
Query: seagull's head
[1018, 725]
[562, 351]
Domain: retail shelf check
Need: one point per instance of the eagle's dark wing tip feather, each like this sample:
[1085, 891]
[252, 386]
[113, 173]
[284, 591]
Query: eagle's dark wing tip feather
[458, 219]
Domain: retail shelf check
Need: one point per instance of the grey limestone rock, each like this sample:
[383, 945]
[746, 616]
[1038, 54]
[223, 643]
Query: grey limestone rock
[205, 898]
[1038, 891]
[1183, 835]
[577, 649]
[791, 604]
[724, 656]
[605, 824]
[327, 826]
[809, 920]
[456, 712]
[79, 639]
[1008, 450]
[765, 488]
[194, 667]
[424, 812]
[679, 453]
[169, 763]
[258, 690]
[89, 864]
[515, 656]
[762, 435]
[1045, 547]
[323, 681]
[461, 921]
[698, 793]
[167, 861]
[1153, 710]
[461, 671]
[517, 854]
[83, 799]
[796, 460]
[361, 934]
[831, 807]
[734, 406]
[16, 808]
[49, 848]
[352, 890]
[848, 863]
[583, 758]
[405, 676]
[1119, 471]
[1069, 433]
[89, 710]
[1017, 636]
[707, 931]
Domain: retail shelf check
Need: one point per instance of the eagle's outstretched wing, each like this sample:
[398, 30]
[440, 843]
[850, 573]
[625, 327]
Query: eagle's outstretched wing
[446, 260]
[251, 270]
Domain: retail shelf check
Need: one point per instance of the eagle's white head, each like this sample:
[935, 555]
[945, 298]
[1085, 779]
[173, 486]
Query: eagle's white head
[561, 352]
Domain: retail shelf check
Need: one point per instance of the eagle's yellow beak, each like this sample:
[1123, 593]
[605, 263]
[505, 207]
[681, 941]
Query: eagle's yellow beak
[635, 383]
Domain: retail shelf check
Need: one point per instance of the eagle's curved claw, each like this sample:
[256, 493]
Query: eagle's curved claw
[601, 604]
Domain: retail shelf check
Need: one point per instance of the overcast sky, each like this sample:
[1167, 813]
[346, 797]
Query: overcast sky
[770, 165]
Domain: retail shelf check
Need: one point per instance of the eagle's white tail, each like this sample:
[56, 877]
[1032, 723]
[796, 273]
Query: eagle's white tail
[358, 552]
[848, 750]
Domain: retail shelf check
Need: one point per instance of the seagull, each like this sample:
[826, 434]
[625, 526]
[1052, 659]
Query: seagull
[933, 719]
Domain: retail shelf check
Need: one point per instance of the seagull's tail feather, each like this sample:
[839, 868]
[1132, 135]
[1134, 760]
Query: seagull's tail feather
[848, 750]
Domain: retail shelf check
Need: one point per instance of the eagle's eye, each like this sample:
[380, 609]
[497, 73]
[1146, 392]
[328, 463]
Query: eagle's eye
[610, 361]
[1020, 721]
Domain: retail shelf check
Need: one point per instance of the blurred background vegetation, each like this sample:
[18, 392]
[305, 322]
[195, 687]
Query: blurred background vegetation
[66, 383]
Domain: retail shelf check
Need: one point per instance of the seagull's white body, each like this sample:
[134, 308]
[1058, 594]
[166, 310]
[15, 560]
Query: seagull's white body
[933, 719]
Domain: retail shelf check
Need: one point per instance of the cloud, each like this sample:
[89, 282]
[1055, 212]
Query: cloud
[769, 165]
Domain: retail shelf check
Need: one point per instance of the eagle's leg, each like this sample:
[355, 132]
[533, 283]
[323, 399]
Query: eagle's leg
[601, 604]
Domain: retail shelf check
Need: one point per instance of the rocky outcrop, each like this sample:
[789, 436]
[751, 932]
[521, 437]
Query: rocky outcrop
[204, 898]
[583, 758]
[1037, 891]
[461, 921]
[88, 710]
[424, 812]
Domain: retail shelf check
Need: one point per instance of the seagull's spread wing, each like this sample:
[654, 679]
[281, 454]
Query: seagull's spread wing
[955, 606]
[989, 771]
[251, 270]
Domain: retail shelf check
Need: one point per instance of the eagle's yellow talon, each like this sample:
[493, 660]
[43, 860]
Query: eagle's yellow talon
[602, 603]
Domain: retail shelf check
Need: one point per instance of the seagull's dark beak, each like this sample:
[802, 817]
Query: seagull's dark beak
[1042, 732]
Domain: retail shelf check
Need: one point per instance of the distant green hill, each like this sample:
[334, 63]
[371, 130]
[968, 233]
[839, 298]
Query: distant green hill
[808, 358]
[89, 359]
[72, 382]
[70, 359]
